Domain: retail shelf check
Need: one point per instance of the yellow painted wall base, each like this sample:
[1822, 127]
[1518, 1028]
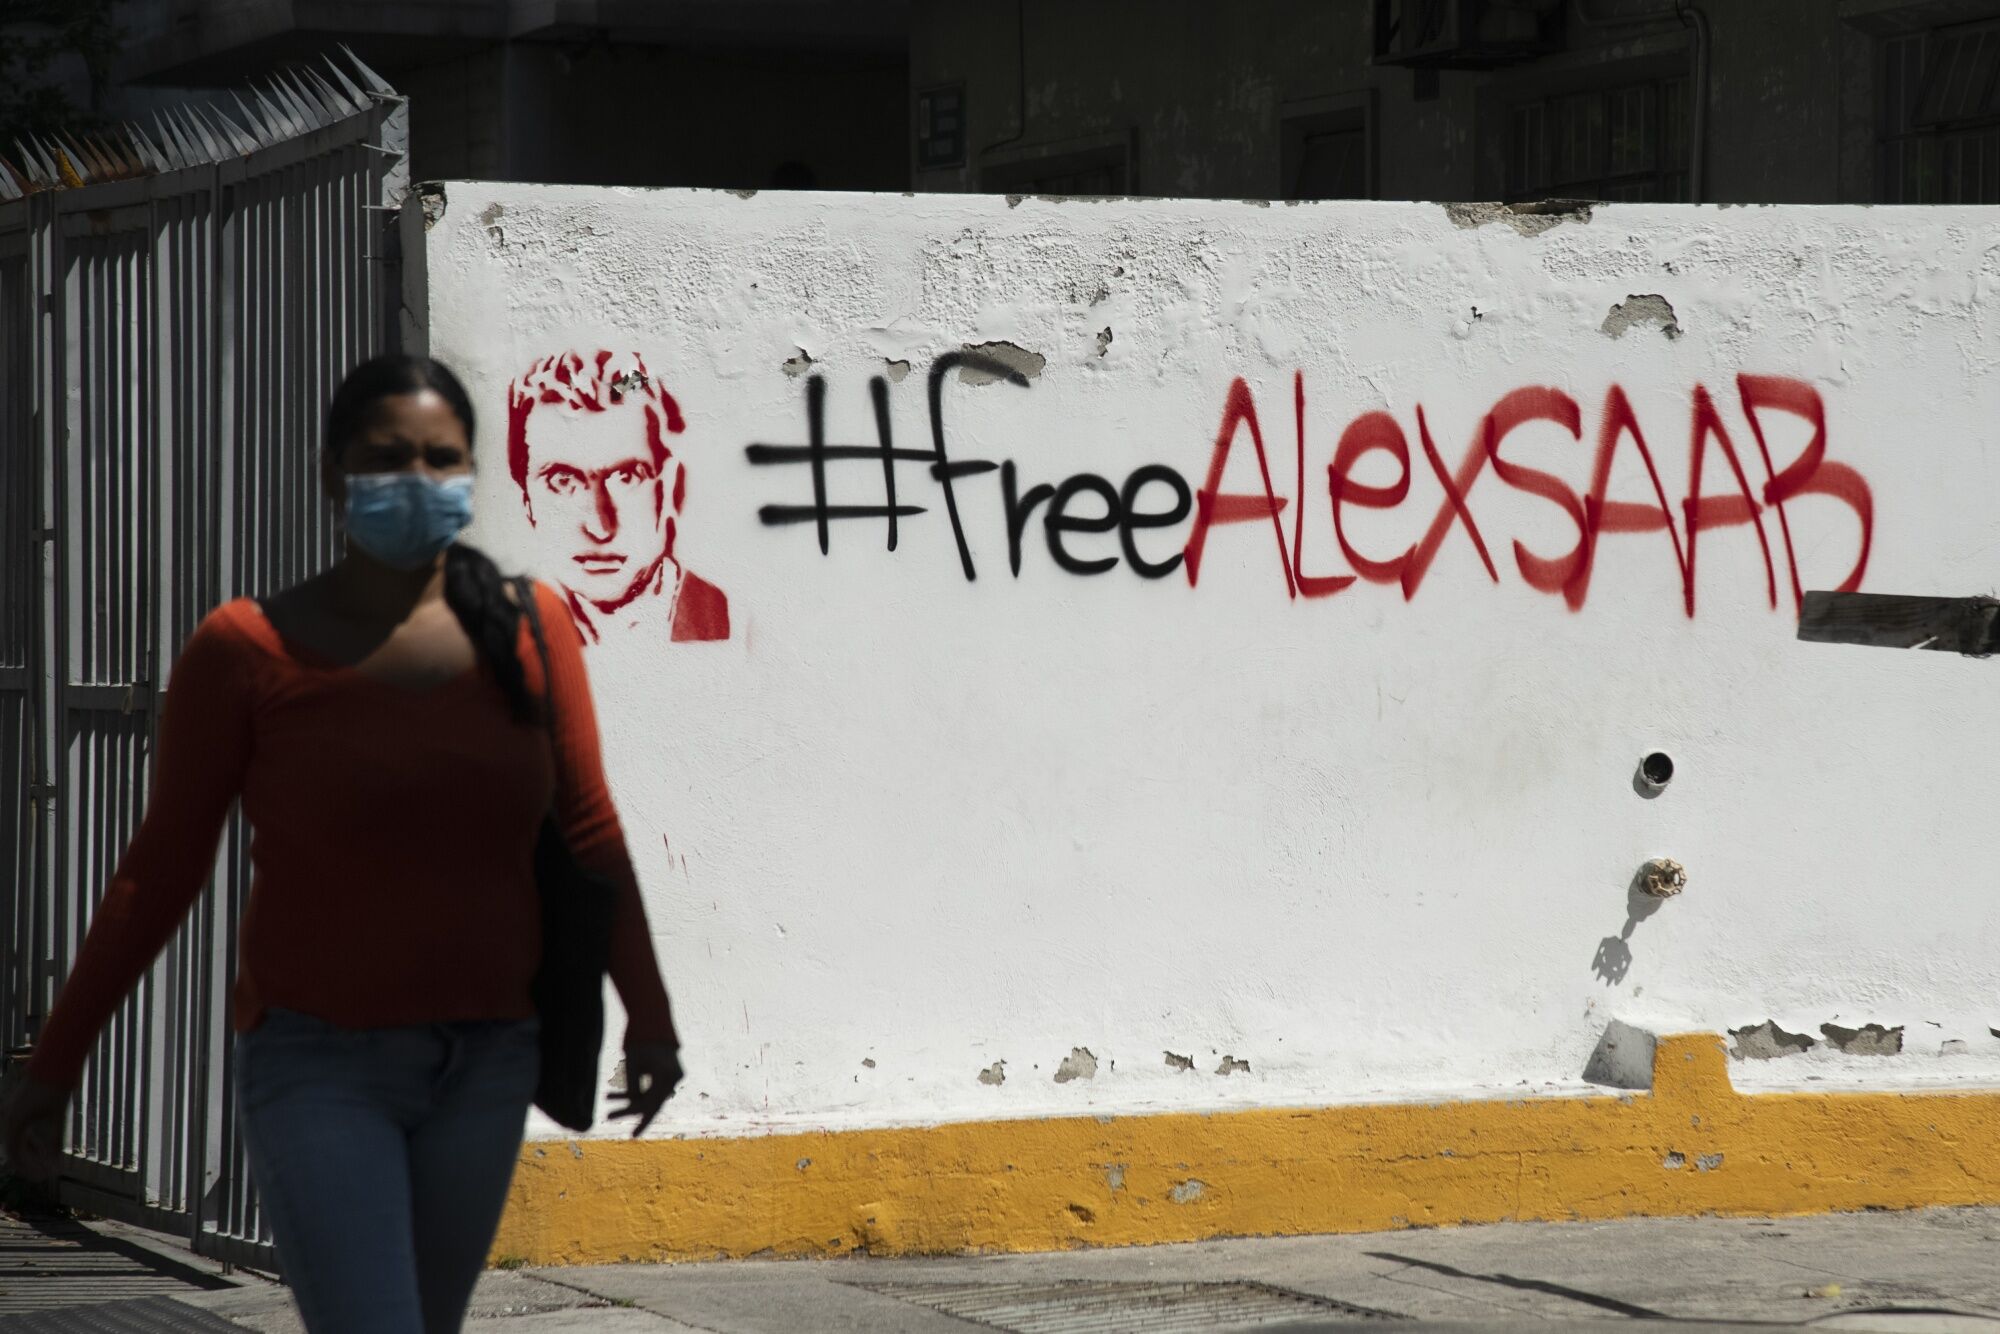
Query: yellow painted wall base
[1693, 1145]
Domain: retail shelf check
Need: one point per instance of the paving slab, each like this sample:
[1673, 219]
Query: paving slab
[527, 1302]
[758, 1296]
[1838, 1271]
[1917, 1272]
[591, 1320]
[256, 1304]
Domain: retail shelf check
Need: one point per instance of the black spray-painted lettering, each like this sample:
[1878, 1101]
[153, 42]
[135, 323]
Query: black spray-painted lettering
[1067, 520]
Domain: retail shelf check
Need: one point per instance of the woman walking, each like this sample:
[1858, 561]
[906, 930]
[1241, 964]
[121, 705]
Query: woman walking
[396, 745]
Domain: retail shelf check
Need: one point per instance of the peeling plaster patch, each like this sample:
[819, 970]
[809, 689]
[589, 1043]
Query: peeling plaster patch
[1079, 1064]
[744, 194]
[803, 1163]
[575, 1149]
[1102, 294]
[430, 197]
[1674, 1162]
[1015, 201]
[616, 1084]
[995, 1073]
[1175, 1062]
[1708, 1162]
[868, 1062]
[1648, 309]
[1103, 340]
[1528, 219]
[1868, 1040]
[1083, 1214]
[1188, 1191]
[799, 365]
[1954, 1047]
[623, 384]
[1230, 1065]
[897, 370]
[490, 217]
[1258, 203]
[1114, 1176]
[1766, 1041]
[1014, 358]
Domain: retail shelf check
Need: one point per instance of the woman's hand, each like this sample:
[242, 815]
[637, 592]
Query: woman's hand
[31, 1128]
[652, 1069]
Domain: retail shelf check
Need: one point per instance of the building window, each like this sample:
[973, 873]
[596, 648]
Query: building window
[1939, 136]
[1626, 142]
[1328, 154]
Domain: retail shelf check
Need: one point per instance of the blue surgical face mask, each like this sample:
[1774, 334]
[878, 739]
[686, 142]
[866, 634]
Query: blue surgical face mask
[404, 519]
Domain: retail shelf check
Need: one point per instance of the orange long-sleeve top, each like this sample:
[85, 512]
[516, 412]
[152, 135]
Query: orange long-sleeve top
[393, 834]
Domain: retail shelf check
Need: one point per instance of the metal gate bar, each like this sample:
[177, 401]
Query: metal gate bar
[175, 307]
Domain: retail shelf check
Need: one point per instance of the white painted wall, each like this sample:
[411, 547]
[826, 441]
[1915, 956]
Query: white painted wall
[902, 826]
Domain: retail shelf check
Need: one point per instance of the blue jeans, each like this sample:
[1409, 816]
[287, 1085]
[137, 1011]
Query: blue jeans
[383, 1158]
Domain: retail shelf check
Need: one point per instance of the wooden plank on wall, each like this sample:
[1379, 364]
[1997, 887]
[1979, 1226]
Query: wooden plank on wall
[1895, 620]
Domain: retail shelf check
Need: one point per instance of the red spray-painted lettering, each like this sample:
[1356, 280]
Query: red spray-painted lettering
[1593, 515]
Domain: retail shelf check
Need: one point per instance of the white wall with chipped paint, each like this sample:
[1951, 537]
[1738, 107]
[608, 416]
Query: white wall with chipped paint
[902, 827]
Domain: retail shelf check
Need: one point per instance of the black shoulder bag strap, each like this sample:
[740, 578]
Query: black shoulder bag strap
[577, 910]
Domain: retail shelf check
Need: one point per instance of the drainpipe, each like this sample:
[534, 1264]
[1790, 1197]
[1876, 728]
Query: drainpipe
[1704, 40]
[1693, 17]
[1021, 70]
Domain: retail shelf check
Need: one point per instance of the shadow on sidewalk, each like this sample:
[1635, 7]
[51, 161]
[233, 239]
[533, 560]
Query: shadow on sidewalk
[50, 1261]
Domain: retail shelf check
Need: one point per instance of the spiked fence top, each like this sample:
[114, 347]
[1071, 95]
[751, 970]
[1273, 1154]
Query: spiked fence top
[290, 104]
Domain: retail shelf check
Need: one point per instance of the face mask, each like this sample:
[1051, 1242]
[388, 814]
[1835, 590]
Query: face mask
[404, 519]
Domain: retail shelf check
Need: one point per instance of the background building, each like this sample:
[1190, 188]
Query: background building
[1778, 101]
[737, 94]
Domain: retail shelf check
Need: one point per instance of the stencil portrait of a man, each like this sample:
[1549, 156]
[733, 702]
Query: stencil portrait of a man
[588, 444]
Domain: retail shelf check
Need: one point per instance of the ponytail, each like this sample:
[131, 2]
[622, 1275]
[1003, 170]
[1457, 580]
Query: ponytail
[479, 596]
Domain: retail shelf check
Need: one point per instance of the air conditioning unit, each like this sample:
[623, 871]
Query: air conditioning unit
[1467, 34]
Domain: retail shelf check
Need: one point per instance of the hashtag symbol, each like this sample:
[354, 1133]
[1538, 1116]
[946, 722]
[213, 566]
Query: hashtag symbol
[945, 471]
[818, 453]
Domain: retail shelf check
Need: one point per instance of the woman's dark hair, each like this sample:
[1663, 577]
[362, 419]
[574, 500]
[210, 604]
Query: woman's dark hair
[474, 588]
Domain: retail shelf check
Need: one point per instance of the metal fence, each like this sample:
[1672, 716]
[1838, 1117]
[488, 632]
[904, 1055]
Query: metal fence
[176, 305]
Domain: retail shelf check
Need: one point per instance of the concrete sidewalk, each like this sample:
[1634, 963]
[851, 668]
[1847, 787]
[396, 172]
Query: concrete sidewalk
[1927, 1270]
